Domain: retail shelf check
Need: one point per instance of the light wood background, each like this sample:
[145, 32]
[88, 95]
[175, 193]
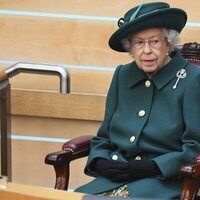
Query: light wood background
[38, 109]
[16, 191]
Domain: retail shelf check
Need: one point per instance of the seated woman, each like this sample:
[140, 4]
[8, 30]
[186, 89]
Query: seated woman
[151, 126]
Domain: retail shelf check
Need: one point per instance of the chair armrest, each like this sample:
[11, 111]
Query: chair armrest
[191, 183]
[71, 150]
[78, 146]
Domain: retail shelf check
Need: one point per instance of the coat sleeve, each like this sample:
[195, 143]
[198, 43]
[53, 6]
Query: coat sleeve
[170, 163]
[100, 144]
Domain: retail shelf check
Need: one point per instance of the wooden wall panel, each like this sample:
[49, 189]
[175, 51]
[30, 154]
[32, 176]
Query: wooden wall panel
[55, 105]
[190, 34]
[50, 40]
[114, 8]
[47, 40]
[29, 168]
[83, 81]
[52, 127]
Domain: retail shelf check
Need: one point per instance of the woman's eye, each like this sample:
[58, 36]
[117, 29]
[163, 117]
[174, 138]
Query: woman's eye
[154, 41]
[139, 43]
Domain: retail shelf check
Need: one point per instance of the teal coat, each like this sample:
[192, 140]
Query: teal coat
[167, 130]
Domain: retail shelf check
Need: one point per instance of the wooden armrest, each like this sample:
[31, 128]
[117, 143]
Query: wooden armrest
[78, 144]
[191, 183]
[73, 149]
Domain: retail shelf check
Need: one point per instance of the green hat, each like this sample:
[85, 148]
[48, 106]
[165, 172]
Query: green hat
[148, 15]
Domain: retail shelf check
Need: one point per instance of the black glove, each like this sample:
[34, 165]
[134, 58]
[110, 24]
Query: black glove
[114, 170]
[142, 169]
[136, 169]
[126, 171]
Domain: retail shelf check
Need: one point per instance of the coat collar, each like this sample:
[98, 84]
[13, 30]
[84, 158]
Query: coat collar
[135, 74]
[161, 78]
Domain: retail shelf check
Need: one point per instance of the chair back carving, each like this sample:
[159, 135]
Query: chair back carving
[191, 52]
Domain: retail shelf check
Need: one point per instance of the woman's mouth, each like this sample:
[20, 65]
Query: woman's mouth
[148, 62]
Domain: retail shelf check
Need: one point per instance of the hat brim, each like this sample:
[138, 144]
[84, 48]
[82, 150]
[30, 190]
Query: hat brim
[172, 18]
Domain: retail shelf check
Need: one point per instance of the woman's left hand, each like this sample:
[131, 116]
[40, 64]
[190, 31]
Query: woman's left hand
[136, 169]
[142, 169]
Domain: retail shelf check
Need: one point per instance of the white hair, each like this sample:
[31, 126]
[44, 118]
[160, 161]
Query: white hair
[172, 36]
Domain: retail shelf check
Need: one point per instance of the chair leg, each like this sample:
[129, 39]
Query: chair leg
[190, 189]
[62, 176]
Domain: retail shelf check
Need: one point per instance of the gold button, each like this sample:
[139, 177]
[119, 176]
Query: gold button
[141, 113]
[147, 83]
[138, 158]
[114, 157]
[132, 139]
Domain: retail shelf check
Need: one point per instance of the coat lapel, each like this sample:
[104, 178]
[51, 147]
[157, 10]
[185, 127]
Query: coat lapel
[167, 73]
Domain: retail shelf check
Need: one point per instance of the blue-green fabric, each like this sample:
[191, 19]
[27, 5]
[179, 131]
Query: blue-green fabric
[168, 133]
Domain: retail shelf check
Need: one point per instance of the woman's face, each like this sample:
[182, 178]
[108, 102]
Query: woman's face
[149, 48]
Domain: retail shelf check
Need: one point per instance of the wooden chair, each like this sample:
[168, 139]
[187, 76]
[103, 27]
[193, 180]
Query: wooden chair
[79, 147]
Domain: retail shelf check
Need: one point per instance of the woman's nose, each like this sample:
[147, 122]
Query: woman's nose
[147, 48]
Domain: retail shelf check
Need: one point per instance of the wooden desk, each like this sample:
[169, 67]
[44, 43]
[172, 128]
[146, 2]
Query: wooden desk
[16, 191]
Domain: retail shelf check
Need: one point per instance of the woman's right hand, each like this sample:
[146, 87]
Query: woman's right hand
[114, 170]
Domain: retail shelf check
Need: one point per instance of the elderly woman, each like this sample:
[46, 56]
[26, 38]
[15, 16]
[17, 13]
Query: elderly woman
[151, 126]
